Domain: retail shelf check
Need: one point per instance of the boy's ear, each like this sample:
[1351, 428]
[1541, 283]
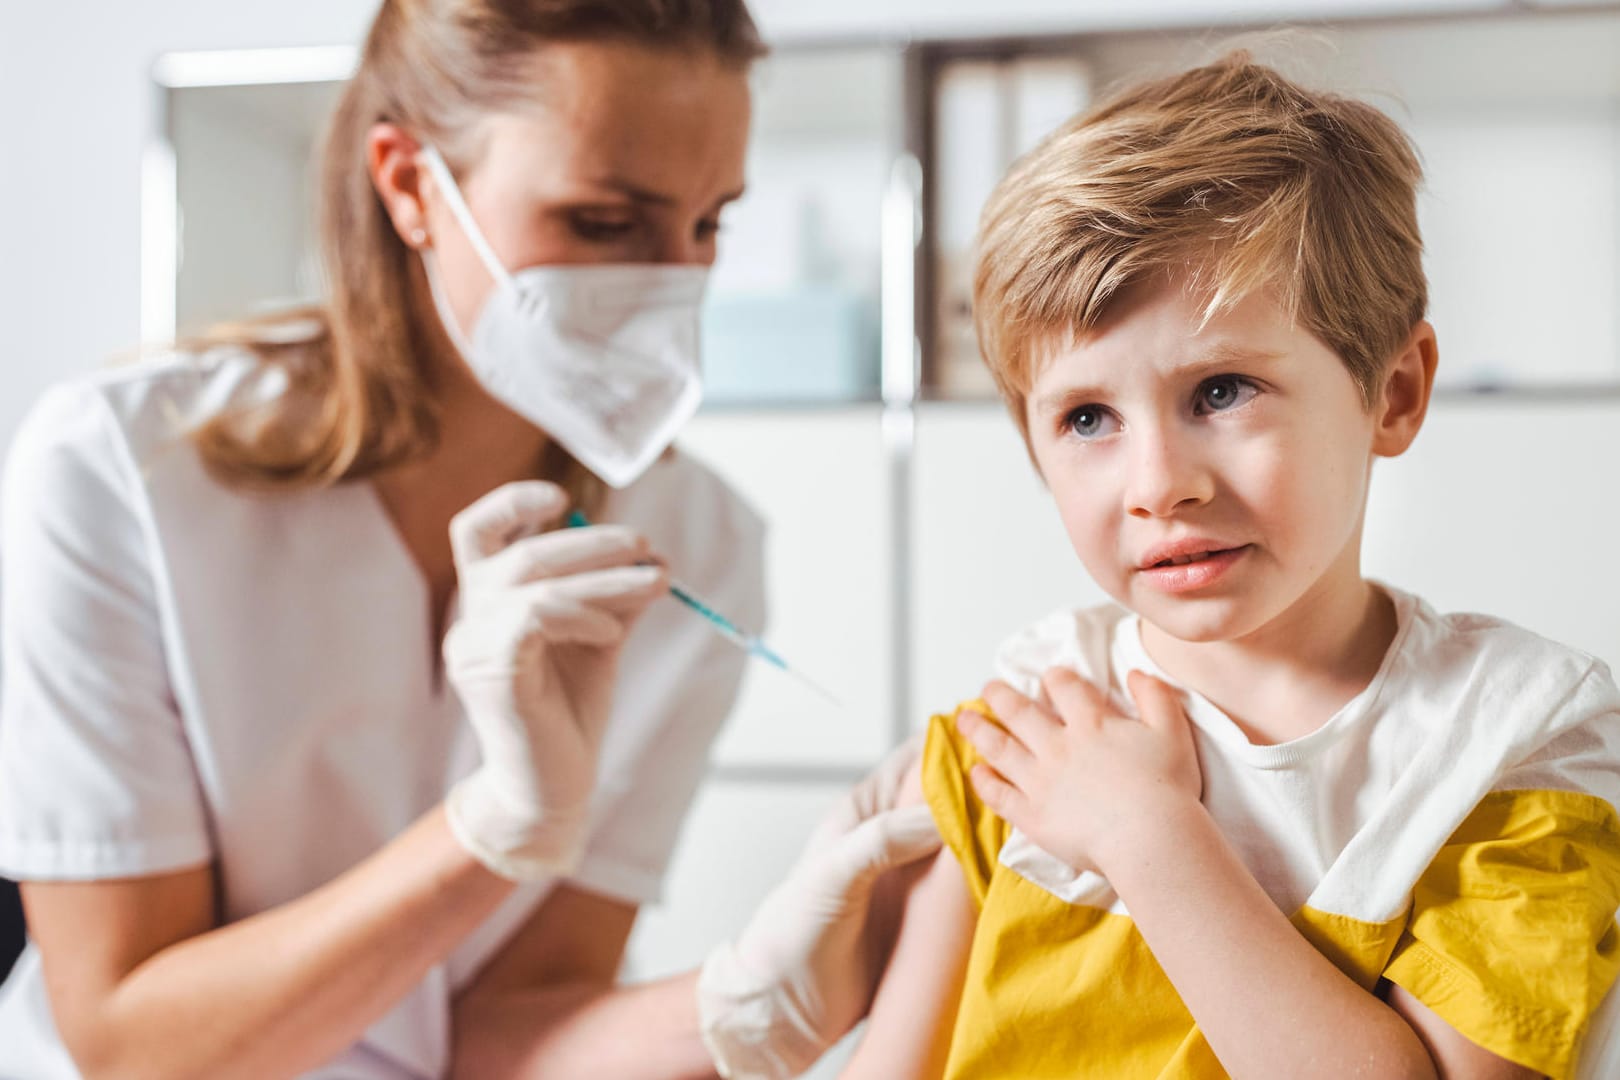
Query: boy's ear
[1404, 401]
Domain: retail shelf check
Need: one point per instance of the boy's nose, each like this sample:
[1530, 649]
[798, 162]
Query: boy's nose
[1166, 476]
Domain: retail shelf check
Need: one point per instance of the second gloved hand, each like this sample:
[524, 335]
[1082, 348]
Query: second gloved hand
[533, 656]
[798, 977]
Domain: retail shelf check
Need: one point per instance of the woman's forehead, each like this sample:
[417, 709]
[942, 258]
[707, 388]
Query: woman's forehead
[678, 128]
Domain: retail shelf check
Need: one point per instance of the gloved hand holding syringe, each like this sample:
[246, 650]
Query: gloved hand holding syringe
[752, 644]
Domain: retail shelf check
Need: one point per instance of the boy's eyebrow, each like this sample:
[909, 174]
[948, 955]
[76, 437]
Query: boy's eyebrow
[1227, 352]
[1216, 358]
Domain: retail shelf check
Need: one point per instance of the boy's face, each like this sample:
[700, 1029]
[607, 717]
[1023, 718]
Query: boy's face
[1210, 479]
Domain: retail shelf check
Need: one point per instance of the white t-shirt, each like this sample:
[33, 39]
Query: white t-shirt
[192, 673]
[1347, 817]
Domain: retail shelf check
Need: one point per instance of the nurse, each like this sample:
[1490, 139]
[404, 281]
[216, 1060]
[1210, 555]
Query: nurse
[323, 751]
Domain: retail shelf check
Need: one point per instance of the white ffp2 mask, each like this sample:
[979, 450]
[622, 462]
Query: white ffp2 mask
[603, 358]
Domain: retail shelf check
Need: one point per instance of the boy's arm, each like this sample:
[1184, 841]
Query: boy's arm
[908, 1030]
[1266, 1000]
[1454, 1056]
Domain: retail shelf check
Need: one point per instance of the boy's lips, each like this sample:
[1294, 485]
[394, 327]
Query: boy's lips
[1186, 550]
[1186, 565]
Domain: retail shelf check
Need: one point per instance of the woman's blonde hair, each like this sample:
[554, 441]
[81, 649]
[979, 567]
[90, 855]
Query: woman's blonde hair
[1228, 174]
[358, 400]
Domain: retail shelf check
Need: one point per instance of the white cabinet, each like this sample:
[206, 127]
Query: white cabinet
[738, 842]
[988, 556]
[820, 478]
[1510, 507]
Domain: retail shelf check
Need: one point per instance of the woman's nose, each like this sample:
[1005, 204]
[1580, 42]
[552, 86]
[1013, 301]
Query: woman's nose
[682, 247]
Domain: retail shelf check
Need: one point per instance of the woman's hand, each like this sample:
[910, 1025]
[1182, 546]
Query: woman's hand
[800, 974]
[533, 655]
[1079, 775]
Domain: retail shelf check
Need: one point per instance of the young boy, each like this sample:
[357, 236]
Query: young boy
[1266, 818]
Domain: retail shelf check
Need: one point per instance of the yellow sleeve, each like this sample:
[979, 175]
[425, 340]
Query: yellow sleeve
[972, 832]
[1512, 937]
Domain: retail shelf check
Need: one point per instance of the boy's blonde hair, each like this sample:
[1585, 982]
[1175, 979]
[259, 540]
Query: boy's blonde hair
[1229, 174]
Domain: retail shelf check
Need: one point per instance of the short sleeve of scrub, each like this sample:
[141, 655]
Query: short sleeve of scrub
[96, 777]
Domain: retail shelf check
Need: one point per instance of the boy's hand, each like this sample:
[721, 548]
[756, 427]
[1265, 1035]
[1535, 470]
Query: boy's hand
[1079, 777]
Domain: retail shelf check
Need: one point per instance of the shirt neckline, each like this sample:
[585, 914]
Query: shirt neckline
[1128, 653]
[399, 552]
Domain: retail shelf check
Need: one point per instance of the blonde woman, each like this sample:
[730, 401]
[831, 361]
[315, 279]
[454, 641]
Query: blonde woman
[323, 750]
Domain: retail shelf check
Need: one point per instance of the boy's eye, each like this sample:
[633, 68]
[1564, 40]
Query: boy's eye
[1225, 392]
[1090, 422]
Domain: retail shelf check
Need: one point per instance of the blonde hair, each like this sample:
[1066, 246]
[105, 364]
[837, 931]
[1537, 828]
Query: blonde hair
[1229, 174]
[358, 399]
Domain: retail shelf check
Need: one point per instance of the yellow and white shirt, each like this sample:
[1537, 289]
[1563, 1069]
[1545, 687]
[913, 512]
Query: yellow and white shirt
[1452, 829]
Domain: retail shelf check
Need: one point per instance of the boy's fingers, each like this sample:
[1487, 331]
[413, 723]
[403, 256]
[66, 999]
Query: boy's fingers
[1003, 700]
[1030, 721]
[1006, 801]
[1159, 705]
[1077, 700]
[1003, 750]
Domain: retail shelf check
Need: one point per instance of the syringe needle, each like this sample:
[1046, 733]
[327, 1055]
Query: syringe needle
[817, 687]
[764, 652]
[749, 643]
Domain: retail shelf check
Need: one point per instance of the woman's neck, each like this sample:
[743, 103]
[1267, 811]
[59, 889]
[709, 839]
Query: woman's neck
[481, 445]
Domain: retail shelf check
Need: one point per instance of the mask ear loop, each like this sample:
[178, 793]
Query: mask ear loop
[463, 215]
[441, 304]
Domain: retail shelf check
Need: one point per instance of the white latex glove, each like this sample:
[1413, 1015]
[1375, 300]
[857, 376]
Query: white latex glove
[798, 977]
[533, 655]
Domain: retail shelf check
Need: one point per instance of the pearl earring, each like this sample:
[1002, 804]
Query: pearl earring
[418, 237]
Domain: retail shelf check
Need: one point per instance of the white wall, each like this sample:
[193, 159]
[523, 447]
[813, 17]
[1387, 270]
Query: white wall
[76, 105]
[250, 192]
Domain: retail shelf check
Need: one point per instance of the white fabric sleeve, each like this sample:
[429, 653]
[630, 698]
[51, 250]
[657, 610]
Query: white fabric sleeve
[96, 777]
[683, 682]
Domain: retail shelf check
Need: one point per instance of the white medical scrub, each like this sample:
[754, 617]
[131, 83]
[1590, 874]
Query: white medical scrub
[195, 674]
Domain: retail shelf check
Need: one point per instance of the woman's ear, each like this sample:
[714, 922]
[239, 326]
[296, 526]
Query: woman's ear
[391, 156]
[1404, 400]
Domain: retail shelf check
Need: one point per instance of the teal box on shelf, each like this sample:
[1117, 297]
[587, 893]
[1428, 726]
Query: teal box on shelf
[815, 344]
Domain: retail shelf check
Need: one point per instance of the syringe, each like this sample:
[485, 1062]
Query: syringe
[752, 644]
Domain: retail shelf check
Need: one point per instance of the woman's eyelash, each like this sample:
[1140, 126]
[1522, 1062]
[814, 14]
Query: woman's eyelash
[600, 229]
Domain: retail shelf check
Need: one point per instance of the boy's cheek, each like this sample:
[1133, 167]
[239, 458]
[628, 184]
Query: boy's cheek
[1093, 532]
